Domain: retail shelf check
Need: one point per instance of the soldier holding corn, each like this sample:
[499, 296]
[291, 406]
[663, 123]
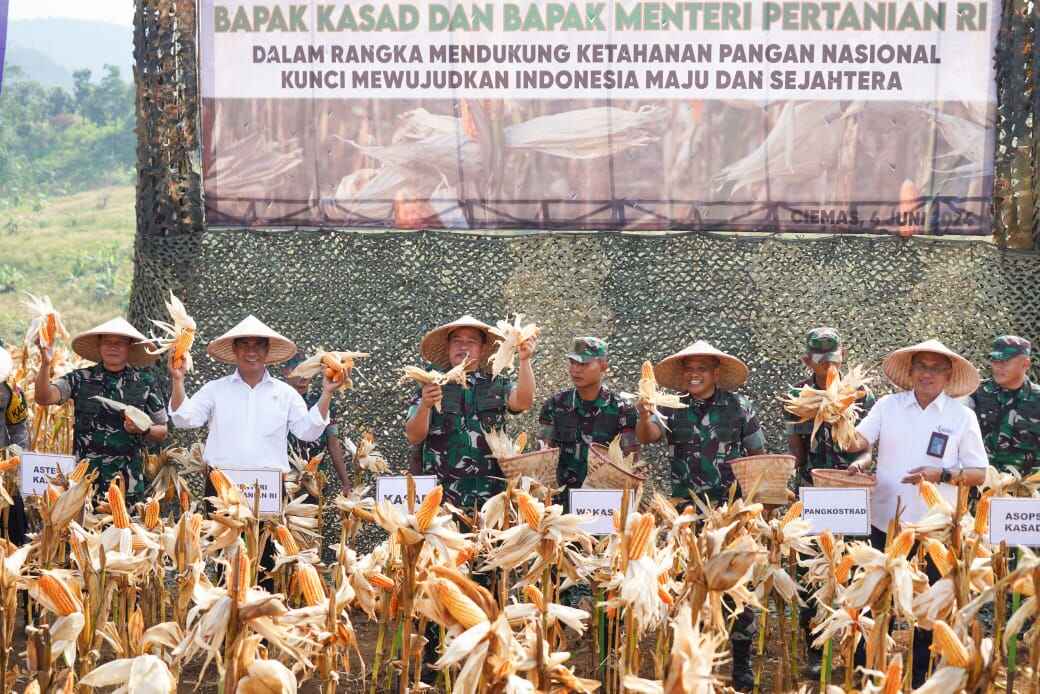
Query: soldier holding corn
[1008, 406]
[450, 438]
[103, 436]
[717, 426]
[823, 351]
[588, 413]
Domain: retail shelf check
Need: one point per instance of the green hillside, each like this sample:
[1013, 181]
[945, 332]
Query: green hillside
[76, 249]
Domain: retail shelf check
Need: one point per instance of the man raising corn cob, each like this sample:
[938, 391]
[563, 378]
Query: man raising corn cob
[717, 426]
[103, 436]
[451, 440]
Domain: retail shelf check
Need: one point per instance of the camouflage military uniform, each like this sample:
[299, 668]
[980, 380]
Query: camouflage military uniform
[705, 436]
[821, 452]
[455, 448]
[1009, 419]
[570, 423]
[99, 435]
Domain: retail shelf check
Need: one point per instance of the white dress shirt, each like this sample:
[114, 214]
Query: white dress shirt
[902, 431]
[249, 427]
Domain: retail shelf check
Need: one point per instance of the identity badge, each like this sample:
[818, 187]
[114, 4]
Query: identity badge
[937, 444]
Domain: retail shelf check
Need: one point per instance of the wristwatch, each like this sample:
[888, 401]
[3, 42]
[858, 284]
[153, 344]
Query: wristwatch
[945, 476]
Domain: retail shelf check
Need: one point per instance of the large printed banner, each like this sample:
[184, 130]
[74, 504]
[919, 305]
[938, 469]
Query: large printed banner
[847, 116]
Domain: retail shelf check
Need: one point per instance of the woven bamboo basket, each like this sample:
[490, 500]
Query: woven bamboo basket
[540, 465]
[771, 472]
[824, 477]
[605, 474]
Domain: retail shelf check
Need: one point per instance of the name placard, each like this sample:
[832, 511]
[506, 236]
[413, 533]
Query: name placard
[270, 487]
[394, 489]
[37, 468]
[841, 510]
[598, 507]
[1014, 521]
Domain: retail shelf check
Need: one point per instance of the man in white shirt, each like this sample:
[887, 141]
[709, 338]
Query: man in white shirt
[249, 414]
[921, 433]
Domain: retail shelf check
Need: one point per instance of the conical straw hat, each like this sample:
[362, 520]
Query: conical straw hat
[222, 348]
[87, 344]
[434, 346]
[733, 372]
[964, 378]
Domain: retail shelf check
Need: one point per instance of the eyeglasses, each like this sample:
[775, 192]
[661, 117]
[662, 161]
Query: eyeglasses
[939, 369]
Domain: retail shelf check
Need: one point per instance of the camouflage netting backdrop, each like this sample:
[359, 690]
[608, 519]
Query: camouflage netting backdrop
[649, 295]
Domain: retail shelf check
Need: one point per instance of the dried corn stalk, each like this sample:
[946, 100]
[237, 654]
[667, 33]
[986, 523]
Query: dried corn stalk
[178, 336]
[368, 458]
[835, 404]
[511, 336]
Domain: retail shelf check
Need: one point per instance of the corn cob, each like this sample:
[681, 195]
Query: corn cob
[380, 581]
[79, 472]
[637, 543]
[53, 493]
[117, 506]
[946, 643]
[151, 513]
[941, 555]
[521, 442]
[793, 512]
[901, 545]
[528, 511]
[428, 509]
[826, 542]
[135, 626]
[184, 500]
[10, 464]
[841, 572]
[221, 484]
[312, 465]
[242, 557]
[59, 594]
[286, 540]
[464, 610]
[982, 514]
[534, 596]
[309, 584]
[930, 493]
[893, 677]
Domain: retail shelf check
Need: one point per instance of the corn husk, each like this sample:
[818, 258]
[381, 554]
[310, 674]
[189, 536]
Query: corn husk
[140, 418]
[423, 377]
[650, 395]
[177, 337]
[335, 364]
[504, 447]
[45, 324]
[511, 336]
[836, 405]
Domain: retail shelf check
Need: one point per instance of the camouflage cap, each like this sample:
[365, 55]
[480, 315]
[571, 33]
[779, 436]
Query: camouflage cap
[1009, 346]
[823, 344]
[588, 348]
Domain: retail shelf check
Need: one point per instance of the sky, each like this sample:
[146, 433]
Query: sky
[115, 11]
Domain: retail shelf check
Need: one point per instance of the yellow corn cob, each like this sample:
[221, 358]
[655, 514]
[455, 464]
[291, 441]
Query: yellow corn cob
[665, 596]
[151, 513]
[79, 472]
[10, 464]
[982, 514]
[528, 511]
[64, 600]
[464, 555]
[900, 546]
[428, 508]
[309, 584]
[826, 542]
[117, 505]
[312, 464]
[946, 643]
[647, 372]
[345, 635]
[893, 677]
[464, 610]
[521, 442]
[52, 494]
[184, 500]
[135, 626]
[534, 596]
[941, 556]
[221, 484]
[930, 493]
[640, 535]
[794, 512]
[286, 540]
[395, 604]
[243, 572]
[841, 573]
[380, 581]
